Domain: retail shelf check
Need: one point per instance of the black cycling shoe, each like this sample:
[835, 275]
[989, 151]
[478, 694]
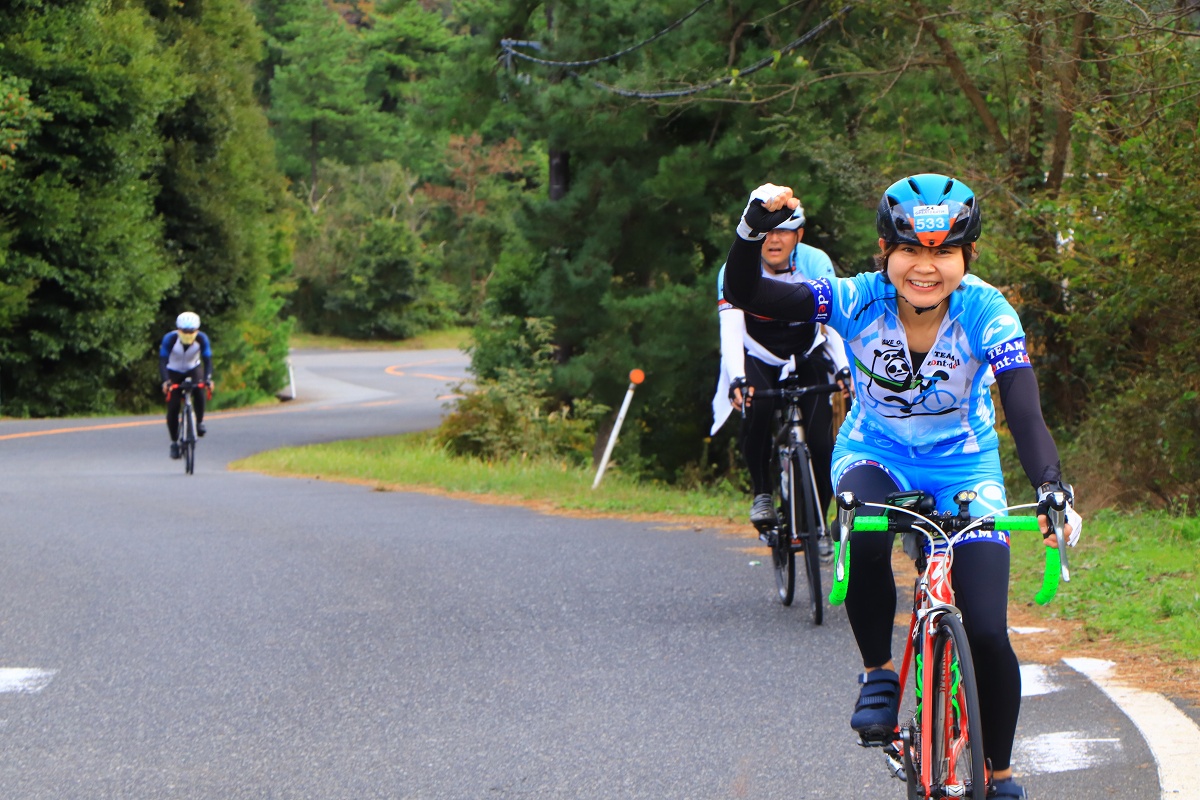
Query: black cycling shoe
[175, 450]
[1006, 789]
[878, 707]
[200, 429]
[762, 512]
[825, 549]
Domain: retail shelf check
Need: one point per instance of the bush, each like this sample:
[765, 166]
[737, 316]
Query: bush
[1141, 447]
[512, 413]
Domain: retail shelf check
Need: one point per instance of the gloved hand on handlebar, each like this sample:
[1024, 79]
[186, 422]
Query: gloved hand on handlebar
[1073, 525]
[844, 380]
[740, 393]
[166, 387]
[769, 206]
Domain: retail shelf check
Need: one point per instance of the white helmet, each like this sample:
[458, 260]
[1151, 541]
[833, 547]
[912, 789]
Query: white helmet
[188, 321]
[796, 222]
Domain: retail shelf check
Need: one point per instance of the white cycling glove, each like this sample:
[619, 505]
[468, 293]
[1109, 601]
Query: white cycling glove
[1076, 523]
[756, 220]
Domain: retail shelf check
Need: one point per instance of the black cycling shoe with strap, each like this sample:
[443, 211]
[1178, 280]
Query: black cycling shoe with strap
[878, 707]
[762, 512]
[1007, 789]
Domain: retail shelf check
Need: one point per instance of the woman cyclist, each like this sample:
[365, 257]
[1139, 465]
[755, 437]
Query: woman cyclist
[926, 341]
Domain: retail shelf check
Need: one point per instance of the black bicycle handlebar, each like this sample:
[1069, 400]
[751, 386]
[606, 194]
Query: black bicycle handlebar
[799, 391]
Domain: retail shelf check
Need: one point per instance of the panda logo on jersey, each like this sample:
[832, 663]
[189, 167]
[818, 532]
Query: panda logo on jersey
[891, 378]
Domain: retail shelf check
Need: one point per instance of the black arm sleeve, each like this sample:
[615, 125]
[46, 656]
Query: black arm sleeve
[1023, 411]
[162, 367]
[745, 288]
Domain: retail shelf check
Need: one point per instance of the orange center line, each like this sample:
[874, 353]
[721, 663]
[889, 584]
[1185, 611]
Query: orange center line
[395, 369]
[160, 421]
[81, 428]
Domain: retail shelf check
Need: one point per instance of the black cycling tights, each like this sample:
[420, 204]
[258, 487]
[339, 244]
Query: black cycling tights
[757, 446]
[980, 581]
[176, 400]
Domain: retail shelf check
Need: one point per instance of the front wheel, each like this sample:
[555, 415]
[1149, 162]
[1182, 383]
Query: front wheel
[785, 565]
[956, 766]
[804, 518]
[189, 440]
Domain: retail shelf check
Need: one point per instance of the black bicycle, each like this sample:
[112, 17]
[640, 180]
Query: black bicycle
[801, 523]
[186, 440]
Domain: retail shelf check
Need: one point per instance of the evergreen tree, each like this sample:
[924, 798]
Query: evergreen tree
[222, 202]
[77, 217]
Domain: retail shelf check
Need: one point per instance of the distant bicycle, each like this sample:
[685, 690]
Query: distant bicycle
[938, 751]
[187, 422]
[801, 524]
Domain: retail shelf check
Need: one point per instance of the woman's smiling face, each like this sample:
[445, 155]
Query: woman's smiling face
[925, 276]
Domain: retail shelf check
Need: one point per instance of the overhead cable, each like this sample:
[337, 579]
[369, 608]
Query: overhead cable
[507, 46]
[704, 87]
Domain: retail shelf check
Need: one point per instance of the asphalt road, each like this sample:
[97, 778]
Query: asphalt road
[231, 635]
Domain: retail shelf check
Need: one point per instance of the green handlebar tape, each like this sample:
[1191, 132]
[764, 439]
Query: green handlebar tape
[871, 523]
[837, 593]
[1050, 577]
[1016, 524]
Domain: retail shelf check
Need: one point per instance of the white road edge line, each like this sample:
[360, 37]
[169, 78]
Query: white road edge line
[20, 680]
[1173, 738]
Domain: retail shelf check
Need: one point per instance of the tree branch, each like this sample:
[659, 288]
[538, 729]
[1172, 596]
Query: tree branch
[965, 84]
[1068, 78]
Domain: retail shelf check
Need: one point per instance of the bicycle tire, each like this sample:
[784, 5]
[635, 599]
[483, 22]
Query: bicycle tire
[189, 439]
[808, 532]
[956, 741]
[782, 554]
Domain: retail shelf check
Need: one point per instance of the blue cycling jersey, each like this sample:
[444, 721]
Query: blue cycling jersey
[942, 406]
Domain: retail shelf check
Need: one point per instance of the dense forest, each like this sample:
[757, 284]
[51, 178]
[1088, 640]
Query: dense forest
[564, 177]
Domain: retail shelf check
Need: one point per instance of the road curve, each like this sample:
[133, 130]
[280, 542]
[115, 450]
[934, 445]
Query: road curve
[231, 635]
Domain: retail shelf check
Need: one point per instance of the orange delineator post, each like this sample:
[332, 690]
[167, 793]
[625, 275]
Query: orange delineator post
[636, 376]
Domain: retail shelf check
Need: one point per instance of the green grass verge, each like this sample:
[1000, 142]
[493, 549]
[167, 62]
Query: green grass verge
[1134, 576]
[415, 460]
[448, 339]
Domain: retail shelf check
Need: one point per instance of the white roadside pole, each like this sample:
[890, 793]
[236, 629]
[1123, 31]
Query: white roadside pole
[635, 377]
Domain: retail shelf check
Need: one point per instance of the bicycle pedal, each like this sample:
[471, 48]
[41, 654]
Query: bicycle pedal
[877, 738]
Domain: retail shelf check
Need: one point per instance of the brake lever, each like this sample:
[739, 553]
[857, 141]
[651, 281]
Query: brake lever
[1057, 516]
[848, 506]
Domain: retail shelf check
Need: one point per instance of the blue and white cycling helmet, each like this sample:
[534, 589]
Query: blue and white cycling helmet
[188, 321]
[795, 222]
[929, 210]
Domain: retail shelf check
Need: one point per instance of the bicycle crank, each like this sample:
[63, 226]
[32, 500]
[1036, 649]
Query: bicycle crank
[895, 760]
